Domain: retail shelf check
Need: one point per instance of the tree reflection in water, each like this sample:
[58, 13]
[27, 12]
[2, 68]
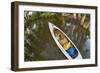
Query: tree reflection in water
[38, 42]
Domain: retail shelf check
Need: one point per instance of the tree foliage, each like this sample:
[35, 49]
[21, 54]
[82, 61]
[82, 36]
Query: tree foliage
[37, 35]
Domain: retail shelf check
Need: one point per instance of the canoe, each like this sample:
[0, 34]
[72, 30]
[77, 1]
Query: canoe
[64, 43]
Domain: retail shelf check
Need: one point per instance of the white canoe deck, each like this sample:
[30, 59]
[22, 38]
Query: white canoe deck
[52, 27]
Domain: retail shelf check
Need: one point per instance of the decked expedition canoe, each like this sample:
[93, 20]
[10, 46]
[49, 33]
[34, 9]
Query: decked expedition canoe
[64, 43]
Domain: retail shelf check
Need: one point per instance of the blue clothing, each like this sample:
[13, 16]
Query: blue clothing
[72, 52]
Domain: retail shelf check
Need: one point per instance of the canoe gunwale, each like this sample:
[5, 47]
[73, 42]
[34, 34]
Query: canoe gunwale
[52, 27]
